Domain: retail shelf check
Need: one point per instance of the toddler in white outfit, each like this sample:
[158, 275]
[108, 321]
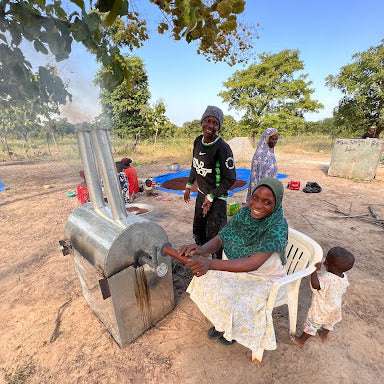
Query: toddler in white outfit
[328, 289]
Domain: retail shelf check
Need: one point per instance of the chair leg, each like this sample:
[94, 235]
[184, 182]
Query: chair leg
[292, 312]
[258, 355]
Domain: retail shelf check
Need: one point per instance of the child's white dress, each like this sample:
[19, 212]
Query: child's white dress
[327, 301]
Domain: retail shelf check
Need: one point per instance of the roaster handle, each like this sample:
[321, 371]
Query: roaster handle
[168, 250]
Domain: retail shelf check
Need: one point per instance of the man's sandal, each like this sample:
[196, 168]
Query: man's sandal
[224, 341]
[213, 334]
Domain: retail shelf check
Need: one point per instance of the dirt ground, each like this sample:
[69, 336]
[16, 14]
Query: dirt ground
[50, 335]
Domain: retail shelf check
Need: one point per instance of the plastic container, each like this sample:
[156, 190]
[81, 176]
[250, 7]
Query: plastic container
[294, 185]
[174, 167]
[232, 208]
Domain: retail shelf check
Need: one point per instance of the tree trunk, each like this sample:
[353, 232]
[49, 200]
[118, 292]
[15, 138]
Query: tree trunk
[26, 150]
[25, 136]
[253, 138]
[49, 148]
[155, 138]
[53, 136]
[4, 140]
[137, 137]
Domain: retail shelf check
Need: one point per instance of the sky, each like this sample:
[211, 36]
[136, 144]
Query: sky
[326, 32]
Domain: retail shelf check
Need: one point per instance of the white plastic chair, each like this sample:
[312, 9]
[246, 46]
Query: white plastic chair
[302, 254]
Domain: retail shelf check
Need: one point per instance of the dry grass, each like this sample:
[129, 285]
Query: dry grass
[305, 144]
[36, 281]
[166, 150]
[19, 375]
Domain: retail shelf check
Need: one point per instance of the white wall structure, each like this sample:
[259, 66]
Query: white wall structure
[356, 158]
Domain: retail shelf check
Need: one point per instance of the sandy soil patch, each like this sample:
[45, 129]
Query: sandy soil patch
[50, 335]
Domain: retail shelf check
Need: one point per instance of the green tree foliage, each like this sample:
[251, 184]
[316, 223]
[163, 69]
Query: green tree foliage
[52, 128]
[191, 129]
[230, 127]
[122, 106]
[6, 128]
[48, 26]
[19, 121]
[324, 127]
[33, 117]
[20, 85]
[158, 122]
[52, 28]
[214, 23]
[22, 121]
[62, 127]
[271, 93]
[362, 84]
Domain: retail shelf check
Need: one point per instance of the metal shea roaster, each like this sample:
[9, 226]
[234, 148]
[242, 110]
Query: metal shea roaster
[125, 277]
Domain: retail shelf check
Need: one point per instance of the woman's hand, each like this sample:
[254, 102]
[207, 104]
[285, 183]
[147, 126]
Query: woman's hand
[187, 249]
[199, 265]
[186, 195]
[206, 205]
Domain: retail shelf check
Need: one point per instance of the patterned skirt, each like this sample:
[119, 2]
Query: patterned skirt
[235, 303]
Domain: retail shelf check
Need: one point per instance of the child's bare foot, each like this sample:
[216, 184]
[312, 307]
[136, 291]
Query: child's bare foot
[323, 335]
[296, 340]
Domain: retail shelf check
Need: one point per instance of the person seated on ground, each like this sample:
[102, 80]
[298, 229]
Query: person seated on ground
[232, 293]
[264, 161]
[328, 290]
[124, 185]
[370, 134]
[149, 189]
[131, 174]
[82, 190]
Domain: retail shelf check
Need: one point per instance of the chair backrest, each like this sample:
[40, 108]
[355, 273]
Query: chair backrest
[301, 251]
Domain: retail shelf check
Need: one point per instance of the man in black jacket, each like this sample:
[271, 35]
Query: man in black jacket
[214, 170]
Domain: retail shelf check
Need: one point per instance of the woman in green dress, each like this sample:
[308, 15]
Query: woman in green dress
[232, 293]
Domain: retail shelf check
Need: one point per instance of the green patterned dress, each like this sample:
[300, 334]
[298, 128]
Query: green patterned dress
[235, 303]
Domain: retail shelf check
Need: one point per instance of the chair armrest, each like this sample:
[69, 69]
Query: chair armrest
[286, 280]
[297, 275]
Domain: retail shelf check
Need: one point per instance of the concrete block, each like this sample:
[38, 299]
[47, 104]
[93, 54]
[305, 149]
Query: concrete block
[356, 158]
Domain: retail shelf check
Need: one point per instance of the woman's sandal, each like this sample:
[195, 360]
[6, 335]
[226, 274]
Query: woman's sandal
[224, 341]
[213, 334]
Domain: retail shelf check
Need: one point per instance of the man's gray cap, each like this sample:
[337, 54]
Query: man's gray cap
[215, 112]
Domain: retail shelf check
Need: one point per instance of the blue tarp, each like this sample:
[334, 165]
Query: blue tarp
[2, 188]
[241, 174]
